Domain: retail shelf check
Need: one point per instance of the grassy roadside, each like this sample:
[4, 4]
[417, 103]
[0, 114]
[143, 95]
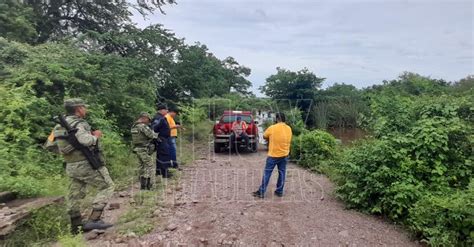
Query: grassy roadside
[51, 224]
[143, 215]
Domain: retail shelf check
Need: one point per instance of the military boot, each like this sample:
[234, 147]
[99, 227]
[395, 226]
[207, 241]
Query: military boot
[143, 183]
[76, 222]
[149, 185]
[95, 222]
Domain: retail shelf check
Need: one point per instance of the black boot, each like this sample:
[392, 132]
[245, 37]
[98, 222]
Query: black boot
[176, 165]
[143, 183]
[149, 186]
[165, 173]
[94, 221]
[76, 222]
[258, 194]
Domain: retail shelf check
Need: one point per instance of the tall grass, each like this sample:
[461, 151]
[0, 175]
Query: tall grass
[320, 114]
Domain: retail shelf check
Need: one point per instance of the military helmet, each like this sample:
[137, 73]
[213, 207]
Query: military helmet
[74, 102]
[145, 114]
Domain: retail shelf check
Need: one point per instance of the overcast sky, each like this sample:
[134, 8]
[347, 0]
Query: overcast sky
[355, 42]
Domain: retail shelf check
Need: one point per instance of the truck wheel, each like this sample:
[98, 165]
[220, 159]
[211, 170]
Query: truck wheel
[255, 147]
[217, 148]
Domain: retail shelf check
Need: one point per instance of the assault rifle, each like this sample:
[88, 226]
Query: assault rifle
[92, 154]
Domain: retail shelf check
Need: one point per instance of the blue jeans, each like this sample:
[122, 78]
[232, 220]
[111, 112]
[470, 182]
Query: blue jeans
[172, 146]
[267, 173]
[244, 138]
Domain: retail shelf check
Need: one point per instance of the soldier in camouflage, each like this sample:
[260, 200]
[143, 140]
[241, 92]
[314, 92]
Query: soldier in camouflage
[79, 169]
[143, 145]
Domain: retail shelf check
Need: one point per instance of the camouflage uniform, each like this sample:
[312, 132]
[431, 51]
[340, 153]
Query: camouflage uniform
[78, 168]
[142, 138]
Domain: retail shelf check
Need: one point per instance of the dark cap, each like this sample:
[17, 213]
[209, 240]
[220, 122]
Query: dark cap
[74, 102]
[161, 107]
[174, 109]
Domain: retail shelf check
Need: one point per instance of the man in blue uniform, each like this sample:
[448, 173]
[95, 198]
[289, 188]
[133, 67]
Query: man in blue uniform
[160, 126]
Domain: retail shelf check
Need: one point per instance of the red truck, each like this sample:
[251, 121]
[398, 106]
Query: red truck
[222, 130]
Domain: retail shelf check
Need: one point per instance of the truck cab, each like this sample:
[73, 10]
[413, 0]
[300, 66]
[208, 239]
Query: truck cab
[223, 129]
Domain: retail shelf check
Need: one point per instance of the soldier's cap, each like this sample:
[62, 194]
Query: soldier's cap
[161, 107]
[74, 102]
[145, 114]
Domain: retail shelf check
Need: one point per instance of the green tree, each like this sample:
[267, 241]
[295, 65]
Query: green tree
[198, 74]
[409, 83]
[149, 43]
[465, 85]
[235, 75]
[296, 88]
[177, 71]
[58, 19]
[55, 71]
[17, 22]
[286, 84]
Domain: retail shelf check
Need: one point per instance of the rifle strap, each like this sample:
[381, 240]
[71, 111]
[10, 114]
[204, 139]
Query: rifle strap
[75, 124]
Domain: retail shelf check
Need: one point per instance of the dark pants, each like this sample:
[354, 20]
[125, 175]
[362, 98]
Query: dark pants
[267, 173]
[163, 158]
[244, 138]
[172, 145]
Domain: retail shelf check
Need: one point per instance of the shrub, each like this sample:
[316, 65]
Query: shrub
[366, 170]
[33, 88]
[310, 148]
[295, 120]
[446, 219]
[192, 115]
[414, 172]
[24, 166]
[43, 226]
[389, 113]
[121, 162]
[200, 131]
[69, 240]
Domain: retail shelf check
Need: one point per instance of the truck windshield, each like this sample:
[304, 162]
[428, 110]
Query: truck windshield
[232, 118]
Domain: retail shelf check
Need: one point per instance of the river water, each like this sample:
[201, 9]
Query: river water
[347, 136]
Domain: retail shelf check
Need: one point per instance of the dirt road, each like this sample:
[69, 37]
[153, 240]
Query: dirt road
[213, 205]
